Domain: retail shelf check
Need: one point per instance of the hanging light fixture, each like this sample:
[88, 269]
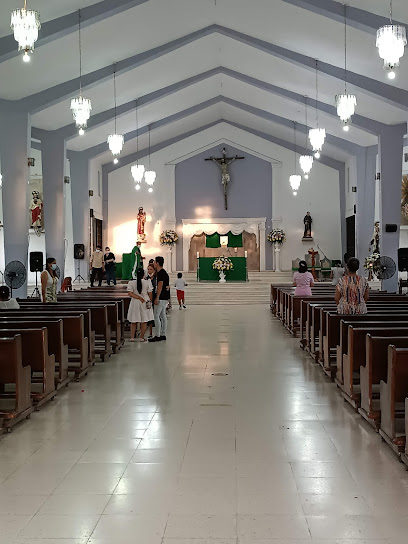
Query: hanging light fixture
[25, 23]
[81, 107]
[295, 179]
[306, 161]
[115, 141]
[345, 103]
[150, 175]
[137, 170]
[317, 135]
[391, 42]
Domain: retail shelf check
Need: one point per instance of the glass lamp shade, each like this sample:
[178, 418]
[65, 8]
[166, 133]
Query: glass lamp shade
[25, 23]
[137, 171]
[346, 106]
[391, 41]
[81, 110]
[316, 138]
[115, 142]
[137, 187]
[150, 177]
[306, 163]
[294, 181]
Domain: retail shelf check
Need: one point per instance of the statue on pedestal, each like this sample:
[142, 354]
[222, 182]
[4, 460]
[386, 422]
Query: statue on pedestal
[307, 220]
[36, 207]
[141, 220]
[375, 241]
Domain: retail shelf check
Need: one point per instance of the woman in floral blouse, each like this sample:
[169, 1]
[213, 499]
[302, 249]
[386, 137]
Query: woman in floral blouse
[352, 291]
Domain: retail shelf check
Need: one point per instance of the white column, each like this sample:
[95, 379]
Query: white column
[277, 258]
[186, 247]
[262, 239]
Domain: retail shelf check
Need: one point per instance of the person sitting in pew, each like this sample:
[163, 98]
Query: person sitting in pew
[352, 291]
[303, 281]
[7, 303]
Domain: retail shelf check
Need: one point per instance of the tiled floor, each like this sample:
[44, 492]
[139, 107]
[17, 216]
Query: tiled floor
[152, 447]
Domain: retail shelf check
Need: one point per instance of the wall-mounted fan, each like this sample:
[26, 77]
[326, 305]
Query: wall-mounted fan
[384, 268]
[15, 275]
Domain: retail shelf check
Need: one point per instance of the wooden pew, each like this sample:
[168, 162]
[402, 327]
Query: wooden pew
[13, 372]
[73, 322]
[35, 355]
[56, 345]
[374, 368]
[393, 393]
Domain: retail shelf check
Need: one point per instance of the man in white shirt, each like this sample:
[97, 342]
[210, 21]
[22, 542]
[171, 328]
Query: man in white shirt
[7, 303]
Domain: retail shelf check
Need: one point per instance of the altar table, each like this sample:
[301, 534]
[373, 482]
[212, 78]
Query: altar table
[206, 272]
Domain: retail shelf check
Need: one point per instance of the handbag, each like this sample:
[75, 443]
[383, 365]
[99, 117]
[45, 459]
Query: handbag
[149, 304]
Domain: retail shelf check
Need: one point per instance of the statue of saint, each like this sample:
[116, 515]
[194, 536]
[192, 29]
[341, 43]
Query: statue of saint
[141, 220]
[307, 220]
[223, 162]
[375, 242]
[36, 207]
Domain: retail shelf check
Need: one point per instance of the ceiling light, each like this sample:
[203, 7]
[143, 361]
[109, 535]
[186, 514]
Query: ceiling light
[81, 107]
[150, 189]
[137, 170]
[294, 181]
[317, 155]
[25, 24]
[115, 141]
[150, 177]
[317, 135]
[137, 187]
[345, 103]
[346, 128]
[391, 42]
[306, 163]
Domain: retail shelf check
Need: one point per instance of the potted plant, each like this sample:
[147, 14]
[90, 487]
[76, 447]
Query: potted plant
[222, 264]
[168, 238]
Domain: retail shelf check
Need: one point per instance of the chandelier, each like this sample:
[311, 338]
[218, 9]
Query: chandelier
[81, 107]
[295, 179]
[317, 135]
[345, 103]
[137, 170]
[150, 175]
[25, 24]
[391, 41]
[306, 161]
[115, 141]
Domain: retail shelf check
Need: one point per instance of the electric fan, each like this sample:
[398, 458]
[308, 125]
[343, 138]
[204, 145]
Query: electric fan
[15, 275]
[384, 268]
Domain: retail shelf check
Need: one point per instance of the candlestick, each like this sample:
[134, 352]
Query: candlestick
[246, 254]
[198, 254]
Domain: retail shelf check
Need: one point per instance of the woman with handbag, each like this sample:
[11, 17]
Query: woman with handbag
[140, 307]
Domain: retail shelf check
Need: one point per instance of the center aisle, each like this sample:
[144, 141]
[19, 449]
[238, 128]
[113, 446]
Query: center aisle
[155, 444]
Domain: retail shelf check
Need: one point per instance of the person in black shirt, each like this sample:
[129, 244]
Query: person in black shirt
[109, 259]
[160, 301]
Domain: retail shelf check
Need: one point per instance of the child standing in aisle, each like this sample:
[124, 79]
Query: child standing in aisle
[180, 286]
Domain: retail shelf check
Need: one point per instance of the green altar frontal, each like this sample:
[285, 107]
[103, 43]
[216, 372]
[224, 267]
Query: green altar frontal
[206, 272]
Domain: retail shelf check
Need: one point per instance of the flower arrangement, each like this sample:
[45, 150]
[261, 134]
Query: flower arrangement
[370, 261]
[276, 236]
[404, 210]
[168, 238]
[222, 263]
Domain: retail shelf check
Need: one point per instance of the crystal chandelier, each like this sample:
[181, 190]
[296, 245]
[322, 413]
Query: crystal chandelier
[25, 24]
[81, 107]
[137, 170]
[306, 161]
[391, 41]
[317, 135]
[345, 103]
[295, 179]
[150, 175]
[115, 141]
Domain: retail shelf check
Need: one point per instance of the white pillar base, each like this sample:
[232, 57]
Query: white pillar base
[277, 259]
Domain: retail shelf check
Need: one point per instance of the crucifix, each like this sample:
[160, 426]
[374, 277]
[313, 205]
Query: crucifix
[223, 162]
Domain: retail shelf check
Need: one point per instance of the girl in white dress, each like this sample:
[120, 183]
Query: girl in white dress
[140, 307]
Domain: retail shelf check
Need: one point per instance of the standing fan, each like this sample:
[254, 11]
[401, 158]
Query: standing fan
[384, 268]
[15, 275]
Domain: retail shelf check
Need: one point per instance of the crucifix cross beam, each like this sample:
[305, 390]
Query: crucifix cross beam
[223, 162]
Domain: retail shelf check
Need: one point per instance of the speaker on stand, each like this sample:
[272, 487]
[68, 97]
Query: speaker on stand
[36, 265]
[79, 255]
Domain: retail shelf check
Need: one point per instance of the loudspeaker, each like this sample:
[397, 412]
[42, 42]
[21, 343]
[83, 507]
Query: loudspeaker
[36, 261]
[391, 228]
[403, 259]
[79, 251]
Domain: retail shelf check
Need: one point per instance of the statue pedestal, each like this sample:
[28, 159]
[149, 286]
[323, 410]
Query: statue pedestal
[277, 258]
[307, 239]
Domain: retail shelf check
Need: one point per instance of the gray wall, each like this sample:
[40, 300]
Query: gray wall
[199, 192]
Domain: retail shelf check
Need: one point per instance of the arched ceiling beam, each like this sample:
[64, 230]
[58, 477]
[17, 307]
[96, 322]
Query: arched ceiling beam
[393, 95]
[356, 17]
[66, 24]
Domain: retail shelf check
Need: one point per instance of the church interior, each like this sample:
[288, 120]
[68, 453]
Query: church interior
[261, 149]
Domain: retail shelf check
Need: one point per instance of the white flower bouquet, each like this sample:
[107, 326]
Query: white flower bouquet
[168, 238]
[276, 236]
[370, 261]
[222, 263]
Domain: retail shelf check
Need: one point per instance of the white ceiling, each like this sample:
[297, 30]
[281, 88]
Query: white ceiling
[157, 22]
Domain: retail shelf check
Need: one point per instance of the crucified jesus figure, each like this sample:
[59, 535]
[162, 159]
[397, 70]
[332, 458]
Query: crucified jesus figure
[223, 162]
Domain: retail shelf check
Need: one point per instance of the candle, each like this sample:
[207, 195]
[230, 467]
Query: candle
[198, 254]
[236, 249]
[246, 254]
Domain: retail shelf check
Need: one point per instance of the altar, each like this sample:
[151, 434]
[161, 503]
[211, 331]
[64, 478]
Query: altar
[205, 271]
